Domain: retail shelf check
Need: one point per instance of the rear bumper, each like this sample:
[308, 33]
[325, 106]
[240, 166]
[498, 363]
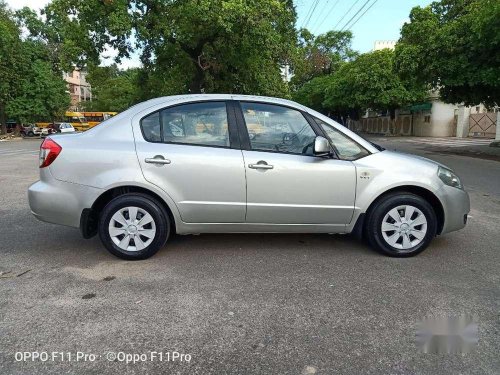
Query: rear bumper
[59, 202]
[456, 206]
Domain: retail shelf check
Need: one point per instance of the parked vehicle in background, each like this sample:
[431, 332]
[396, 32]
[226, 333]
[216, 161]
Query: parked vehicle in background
[187, 164]
[95, 118]
[76, 119]
[62, 127]
[31, 130]
[11, 126]
[47, 131]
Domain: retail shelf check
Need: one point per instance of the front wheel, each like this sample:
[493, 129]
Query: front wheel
[133, 226]
[401, 225]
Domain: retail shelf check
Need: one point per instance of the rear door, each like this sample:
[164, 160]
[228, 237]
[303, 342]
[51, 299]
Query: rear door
[192, 152]
[286, 183]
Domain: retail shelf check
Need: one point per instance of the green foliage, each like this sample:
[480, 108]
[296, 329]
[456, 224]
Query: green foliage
[187, 45]
[113, 89]
[453, 45]
[312, 93]
[41, 91]
[10, 55]
[29, 87]
[320, 55]
[370, 82]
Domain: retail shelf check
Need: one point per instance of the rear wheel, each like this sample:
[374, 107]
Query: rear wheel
[133, 226]
[401, 225]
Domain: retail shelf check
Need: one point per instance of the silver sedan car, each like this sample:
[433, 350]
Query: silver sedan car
[232, 163]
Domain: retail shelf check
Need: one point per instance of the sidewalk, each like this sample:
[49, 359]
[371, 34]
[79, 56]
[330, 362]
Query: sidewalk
[471, 147]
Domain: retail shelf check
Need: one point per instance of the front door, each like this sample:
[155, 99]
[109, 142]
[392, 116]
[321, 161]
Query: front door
[186, 151]
[286, 183]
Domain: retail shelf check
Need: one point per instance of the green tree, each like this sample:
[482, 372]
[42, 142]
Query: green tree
[312, 93]
[370, 82]
[30, 88]
[113, 89]
[190, 45]
[320, 55]
[453, 45]
[42, 93]
[10, 58]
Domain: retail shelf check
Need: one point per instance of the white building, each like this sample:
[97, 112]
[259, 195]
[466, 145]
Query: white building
[383, 44]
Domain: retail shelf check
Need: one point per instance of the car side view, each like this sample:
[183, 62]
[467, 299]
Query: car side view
[234, 163]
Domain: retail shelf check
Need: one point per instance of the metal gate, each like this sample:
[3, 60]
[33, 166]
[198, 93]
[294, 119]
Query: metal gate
[483, 125]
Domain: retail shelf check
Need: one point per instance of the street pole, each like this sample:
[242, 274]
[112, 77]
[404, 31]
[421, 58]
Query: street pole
[496, 142]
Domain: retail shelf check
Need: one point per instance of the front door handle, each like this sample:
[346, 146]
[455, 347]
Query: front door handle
[158, 159]
[261, 165]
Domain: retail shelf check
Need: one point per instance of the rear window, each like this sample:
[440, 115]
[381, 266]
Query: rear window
[201, 124]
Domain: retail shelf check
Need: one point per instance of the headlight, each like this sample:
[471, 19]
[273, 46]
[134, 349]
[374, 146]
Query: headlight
[449, 178]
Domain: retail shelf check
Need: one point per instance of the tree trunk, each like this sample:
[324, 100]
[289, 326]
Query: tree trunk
[196, 84]
[392, 121]
[3, 119]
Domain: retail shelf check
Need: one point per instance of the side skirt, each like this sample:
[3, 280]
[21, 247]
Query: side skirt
[189, 228]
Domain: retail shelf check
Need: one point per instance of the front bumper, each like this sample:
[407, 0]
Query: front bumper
[456, 206]
[60, 202]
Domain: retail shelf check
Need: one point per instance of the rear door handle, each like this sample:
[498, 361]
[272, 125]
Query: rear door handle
[261, 165]
[158, 159]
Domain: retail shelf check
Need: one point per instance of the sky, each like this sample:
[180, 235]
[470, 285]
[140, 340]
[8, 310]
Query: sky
[382, 21]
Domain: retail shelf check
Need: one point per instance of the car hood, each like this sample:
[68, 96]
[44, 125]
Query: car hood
[418, 157]
[393, 160]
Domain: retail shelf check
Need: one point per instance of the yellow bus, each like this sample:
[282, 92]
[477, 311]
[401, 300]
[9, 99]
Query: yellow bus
[95, 118]
[77, 119]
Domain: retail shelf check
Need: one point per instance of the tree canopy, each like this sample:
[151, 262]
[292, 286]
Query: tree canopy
[192, 46]
[319, 55]
[368, 82]
[113, 89]
[234, 46]
[30, 87]
[453, 45]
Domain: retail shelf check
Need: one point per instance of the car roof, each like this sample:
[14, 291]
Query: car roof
[200, 97]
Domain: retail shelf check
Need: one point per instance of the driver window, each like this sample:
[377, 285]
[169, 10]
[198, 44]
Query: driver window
[279, 129]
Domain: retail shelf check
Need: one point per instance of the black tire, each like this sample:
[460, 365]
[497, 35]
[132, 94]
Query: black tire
[148, 204]
[373, 228]
[31, 134]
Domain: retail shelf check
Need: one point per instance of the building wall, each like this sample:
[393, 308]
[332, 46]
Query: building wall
[438, 122]
[382, 44]
[78, 87]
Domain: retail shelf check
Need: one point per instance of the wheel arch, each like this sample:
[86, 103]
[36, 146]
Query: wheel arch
[90, 216]
[426, 194]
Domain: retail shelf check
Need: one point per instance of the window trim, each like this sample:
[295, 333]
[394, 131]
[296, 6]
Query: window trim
[245, 138]
[231, 125]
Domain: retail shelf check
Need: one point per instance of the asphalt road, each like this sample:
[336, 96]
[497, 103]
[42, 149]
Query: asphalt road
[266, 304]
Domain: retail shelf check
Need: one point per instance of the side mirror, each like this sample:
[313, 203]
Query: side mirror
[321, 146]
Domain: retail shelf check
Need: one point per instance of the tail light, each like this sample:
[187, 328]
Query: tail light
[49, 150]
